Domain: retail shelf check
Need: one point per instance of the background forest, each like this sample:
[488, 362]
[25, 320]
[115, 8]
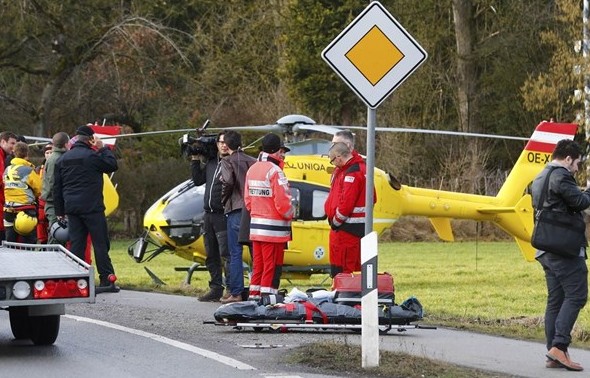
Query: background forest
[494, 66]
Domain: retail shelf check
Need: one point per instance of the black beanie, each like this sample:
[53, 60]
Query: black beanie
[85, 130]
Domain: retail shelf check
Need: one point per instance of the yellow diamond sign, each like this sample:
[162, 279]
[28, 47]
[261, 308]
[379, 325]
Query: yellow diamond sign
[374, 54]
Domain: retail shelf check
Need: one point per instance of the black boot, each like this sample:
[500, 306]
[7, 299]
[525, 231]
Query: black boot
[213, 295]
[107, 285]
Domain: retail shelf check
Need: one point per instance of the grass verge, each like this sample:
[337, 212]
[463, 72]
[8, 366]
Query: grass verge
[332, 357]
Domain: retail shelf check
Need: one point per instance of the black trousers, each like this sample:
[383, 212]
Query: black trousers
[215, 239]
[95, 224]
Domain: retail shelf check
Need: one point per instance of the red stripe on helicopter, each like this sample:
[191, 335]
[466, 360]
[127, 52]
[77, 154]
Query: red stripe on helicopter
[547, 134]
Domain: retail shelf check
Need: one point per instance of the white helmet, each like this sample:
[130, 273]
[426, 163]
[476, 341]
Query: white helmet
[59, 231]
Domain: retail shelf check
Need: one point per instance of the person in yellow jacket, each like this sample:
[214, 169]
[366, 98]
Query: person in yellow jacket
[22, 188]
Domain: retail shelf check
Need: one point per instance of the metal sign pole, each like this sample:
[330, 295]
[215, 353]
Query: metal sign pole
[371, 124]
[369, 256]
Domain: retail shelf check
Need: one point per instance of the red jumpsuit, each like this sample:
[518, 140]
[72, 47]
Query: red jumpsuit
[2, 200]
[345, 208]
[268, 199]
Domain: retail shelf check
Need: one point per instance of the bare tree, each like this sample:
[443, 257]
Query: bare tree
[50, 41]
[464, 20]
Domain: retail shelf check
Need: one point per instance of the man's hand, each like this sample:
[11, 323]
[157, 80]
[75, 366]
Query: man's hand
[97, 142]
[62, 220]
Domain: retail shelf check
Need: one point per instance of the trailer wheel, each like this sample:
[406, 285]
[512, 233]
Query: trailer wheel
[19, 322]
[44, 329]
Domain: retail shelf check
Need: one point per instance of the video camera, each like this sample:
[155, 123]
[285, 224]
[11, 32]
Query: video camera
[204, 145]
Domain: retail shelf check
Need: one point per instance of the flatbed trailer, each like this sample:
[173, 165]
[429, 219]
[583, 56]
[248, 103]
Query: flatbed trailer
[36, 282]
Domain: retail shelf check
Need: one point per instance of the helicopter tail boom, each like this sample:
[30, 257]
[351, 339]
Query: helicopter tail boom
[511, 209]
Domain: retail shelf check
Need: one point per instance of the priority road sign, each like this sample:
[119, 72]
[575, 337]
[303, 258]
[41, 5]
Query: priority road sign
[374, 54]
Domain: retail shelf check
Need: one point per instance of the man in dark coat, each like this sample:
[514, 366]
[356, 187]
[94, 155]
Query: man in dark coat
[566, 277]
[77, 194]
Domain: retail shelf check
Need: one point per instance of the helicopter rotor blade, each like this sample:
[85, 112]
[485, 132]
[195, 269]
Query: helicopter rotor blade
[39, 140]
[267, 128]
[319, 128]
[439, 132]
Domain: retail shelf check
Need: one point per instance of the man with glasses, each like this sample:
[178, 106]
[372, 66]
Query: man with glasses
[346, 137]
[207, 170]
[345, 208]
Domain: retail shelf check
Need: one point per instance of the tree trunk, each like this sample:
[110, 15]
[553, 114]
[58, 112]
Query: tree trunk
[463, 14]
[47, 99]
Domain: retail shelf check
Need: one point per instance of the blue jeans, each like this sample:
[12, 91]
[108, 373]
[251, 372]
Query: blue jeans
[567, 292]
[236, 267]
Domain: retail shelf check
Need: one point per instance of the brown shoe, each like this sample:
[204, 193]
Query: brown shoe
[231, 299]
[563, 358]
[550, 364]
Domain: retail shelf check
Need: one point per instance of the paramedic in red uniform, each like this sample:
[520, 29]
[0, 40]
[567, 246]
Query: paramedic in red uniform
[268, 199]
[345, 208]
[7, 142]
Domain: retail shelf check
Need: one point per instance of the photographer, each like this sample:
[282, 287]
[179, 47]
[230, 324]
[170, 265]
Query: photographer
[206, 154]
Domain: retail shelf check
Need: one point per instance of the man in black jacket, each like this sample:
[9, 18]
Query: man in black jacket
[77, 194]
[567, 277]
[207, 170]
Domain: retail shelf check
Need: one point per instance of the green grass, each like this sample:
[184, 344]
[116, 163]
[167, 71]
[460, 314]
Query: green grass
[485, 286]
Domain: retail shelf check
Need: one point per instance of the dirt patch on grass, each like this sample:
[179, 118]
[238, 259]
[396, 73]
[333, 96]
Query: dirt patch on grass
[329, 357]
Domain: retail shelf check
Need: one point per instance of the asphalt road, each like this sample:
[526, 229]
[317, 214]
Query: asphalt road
[136, 334]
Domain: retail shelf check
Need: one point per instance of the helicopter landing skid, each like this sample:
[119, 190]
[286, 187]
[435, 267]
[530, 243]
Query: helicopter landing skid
[286, 326]
[190, 270]
[139, 248]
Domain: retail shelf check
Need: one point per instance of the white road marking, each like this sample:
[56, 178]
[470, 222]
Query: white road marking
[177, 344]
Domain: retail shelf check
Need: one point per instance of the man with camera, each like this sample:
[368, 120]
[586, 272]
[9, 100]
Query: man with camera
[206, 154]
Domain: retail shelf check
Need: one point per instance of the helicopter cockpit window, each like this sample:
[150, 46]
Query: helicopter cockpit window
[308, 200]
[318, 199]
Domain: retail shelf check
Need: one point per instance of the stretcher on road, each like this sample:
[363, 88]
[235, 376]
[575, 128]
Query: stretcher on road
[316, 314]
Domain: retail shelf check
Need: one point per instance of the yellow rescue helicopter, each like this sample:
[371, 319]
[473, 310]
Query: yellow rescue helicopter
[174, 222]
